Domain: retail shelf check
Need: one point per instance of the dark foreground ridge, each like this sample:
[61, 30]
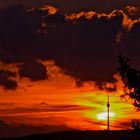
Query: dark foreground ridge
[83, 135]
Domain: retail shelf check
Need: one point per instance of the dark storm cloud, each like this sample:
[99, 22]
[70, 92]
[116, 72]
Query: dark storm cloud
[18, 34]
[75, 5]
[83, 44]
[97, 5]
[131, 45]
[20, 42]
[33, 70]
[83, 49]
[6, 79]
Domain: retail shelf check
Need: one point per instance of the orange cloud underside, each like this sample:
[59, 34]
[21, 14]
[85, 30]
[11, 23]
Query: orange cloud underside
[57, 101]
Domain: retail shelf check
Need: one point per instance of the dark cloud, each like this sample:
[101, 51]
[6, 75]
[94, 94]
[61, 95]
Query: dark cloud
[75, 5]
[33, 70]
[98, 5]
[86, 48]
[130, 44]
[83, 44]
[20, 42]
[43, 107]
[17, 34]
[6, 79]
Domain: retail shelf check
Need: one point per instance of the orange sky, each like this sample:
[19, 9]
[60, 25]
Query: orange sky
[57, 101]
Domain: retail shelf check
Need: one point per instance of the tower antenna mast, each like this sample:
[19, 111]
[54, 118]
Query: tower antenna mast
[108, 109]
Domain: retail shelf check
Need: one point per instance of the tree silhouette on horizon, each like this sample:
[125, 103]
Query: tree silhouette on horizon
[131, 79]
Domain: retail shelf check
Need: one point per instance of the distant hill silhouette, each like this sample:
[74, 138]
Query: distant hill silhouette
[83, 135]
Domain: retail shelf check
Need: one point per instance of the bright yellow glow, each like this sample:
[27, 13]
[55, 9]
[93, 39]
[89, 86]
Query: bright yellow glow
[103, 115]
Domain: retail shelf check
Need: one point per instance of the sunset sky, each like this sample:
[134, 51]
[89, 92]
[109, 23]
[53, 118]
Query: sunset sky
[57, 57]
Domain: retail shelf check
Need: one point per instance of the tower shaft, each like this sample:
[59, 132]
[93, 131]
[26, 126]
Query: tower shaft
[108, 109]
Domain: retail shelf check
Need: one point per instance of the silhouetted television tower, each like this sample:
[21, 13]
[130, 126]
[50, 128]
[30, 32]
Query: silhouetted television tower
[108, 109]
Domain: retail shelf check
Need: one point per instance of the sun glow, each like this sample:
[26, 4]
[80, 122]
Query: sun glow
[103, 115]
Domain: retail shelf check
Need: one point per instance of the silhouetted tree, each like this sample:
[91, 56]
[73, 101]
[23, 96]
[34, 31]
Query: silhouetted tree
[131, 79]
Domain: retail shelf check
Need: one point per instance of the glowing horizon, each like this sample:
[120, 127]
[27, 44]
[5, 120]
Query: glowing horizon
[80, 108]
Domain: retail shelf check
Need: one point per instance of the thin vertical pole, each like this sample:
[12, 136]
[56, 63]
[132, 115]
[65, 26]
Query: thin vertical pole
[108, 107]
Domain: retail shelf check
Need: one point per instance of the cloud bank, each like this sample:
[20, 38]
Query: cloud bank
[85, 44]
